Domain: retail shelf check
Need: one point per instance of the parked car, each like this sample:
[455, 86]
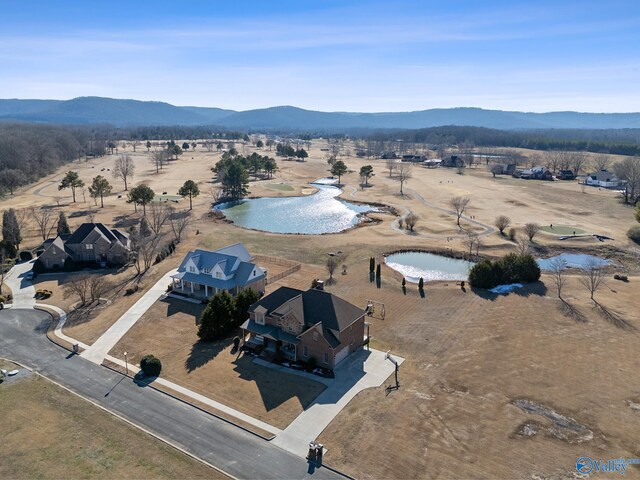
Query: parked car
[30, 275]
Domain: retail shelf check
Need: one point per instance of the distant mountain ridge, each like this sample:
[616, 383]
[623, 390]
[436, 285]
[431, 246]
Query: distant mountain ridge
[125, 113]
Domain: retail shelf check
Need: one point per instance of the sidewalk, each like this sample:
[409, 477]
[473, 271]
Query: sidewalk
[101, 348]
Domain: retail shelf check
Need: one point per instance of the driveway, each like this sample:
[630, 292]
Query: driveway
[360, 370]
[239, 453]
[22, 289]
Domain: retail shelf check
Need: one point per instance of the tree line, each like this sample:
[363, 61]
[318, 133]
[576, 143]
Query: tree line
[232, 171]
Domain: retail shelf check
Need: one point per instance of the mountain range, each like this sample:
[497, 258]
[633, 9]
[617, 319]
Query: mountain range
[128, 113]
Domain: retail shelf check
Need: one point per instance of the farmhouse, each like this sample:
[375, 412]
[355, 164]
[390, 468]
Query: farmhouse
[566, 175]
[297, 326]
[413, 158]
[604, 179]
[432, 163]
[91, 243]
[535, 173]
[203, 273]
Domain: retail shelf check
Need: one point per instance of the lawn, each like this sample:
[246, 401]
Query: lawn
[280, 186]
[562, 230]
[169, 331]
[50, 433]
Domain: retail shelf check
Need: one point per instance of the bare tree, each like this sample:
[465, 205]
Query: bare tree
[552, 159]
[78, 285]
[159, 158]
[332, 264]
[124, 169]
[557, 269]
[391, 165]
[45, 220]
[601, 161]
[629, 171]
[592, 277]
[158, 215]
[134, 144]
[472, 241]
[578, 159]
[98, 286]
[179, 221]
[523, 245]
[403, 174]
[531, 229]
[502, 222]
[58, 199]
[459, 204]
[410, 220]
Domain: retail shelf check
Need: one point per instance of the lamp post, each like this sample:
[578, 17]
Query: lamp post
[126, 363]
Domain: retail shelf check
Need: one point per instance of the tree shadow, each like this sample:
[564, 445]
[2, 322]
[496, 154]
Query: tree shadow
[143, 380]
[527, 290]
[125, 221]
[571, 311]
[378, 282]
[372, 277]
[613, 318]
[203, 352]
[421, 292]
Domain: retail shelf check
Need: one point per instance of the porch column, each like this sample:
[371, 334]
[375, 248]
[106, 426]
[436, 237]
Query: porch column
[181, 284]
[191, 286]
[206, 291]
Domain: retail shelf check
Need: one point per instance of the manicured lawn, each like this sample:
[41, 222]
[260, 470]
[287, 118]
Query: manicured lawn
[562, 230]
[280, 186]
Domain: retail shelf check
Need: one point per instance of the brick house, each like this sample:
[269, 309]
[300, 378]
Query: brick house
[91, 243]
[296, 325]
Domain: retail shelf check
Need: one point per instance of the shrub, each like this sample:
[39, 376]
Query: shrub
[150, 365]
[8, 248]
[25, 256]
[2, 299]
[236, 342]
[311, 364]
[622, 278]
[69, 265]
[38, 266]
[372, 264]
[421, 284]
[404, 282]
[634, 234]
[512, 234]
[511, 268]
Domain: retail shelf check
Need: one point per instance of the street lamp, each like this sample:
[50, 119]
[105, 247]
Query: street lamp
[126, 363]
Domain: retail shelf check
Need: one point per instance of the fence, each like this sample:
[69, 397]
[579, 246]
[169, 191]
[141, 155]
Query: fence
[293, 266]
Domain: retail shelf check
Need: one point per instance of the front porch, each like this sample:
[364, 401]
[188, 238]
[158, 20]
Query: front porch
[193, 289]
[270, 348]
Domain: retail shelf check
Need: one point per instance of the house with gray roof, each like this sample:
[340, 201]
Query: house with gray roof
[298, 325]
[204, 273]
[91, 244]
[604, 179]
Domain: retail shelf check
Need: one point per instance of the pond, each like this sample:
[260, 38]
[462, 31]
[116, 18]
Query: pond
[429, 266]
[313, 214]
[572, 260]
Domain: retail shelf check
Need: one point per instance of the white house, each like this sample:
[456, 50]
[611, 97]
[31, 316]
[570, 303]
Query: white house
[604, 179]
[203, 273]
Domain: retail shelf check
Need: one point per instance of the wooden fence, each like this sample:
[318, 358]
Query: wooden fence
[293, 267]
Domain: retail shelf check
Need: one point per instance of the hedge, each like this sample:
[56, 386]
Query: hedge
[511, 268]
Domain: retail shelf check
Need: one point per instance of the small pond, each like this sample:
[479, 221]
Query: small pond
[572, 260]
[326, 181]
[429, 266]
[313, 214]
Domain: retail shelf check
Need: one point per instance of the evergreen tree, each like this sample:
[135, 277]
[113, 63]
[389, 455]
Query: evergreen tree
[189, 189]
[242, 302]
[71, 180]
[11, 228]
[99, 188]
[145, 228]
[378, 271]
[141, 195]
[372, 265]
[421, 284]
[338, 169]
[236, 181]
[63, 225]
[216, 320]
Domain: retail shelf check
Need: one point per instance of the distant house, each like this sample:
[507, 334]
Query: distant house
[91, 243]
[566, 175]
[388, 156]
[203, 273]
[413, 158]
[535, 173]
[432, 163]
[604, 179]
[298, 325]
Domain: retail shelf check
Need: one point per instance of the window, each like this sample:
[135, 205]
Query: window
[315, 336]
[218, 275]
[206, 270]
[192, 269]
[326, 357]
[89, 246]
[305, 351]
[259, 317]
[53, 251]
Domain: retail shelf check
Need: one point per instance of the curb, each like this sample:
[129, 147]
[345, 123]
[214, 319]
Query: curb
[124, 419]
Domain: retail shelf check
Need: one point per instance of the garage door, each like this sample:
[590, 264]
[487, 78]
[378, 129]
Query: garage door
[341, 355]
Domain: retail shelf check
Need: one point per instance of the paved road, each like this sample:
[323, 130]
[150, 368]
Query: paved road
[231, 449]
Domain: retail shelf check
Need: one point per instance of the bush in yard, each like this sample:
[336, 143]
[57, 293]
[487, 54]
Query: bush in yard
[38, 266]
[217, 319]
[421, 284]
[236, 342]
[511, 268]
[634, 234]
[150, 365]
[25, 256]
[512, 234]
[2, 299]
[311, 364]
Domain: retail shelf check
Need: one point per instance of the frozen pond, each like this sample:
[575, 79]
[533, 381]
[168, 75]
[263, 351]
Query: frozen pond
[313, 214]
[326, 181]
[413, 265]
[572, 260]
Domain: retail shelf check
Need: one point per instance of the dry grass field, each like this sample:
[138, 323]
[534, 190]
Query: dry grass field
[468, 356]
[168, 330]
[50, 433]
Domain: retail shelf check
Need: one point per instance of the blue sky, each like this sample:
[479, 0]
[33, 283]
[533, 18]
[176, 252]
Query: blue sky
[327, 55]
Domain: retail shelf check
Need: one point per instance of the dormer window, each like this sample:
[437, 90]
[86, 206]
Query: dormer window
[206, 270]
[315, 336]
[89, 246]
[260, 318]
[218, 275]
[192, 269]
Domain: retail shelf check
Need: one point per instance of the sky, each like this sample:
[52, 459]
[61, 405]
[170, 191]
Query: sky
[364, 56]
